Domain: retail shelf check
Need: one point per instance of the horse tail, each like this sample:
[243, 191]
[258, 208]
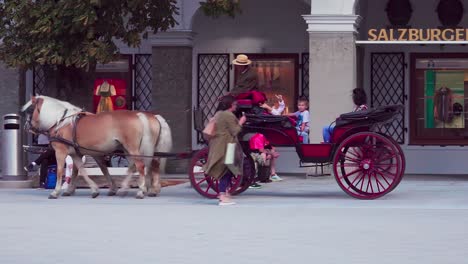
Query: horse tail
[164, 141]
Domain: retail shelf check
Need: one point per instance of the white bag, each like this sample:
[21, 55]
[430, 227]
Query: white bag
[233, 158]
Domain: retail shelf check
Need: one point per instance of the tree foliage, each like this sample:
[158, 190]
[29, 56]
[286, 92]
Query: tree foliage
[216, 8]
[77, 33]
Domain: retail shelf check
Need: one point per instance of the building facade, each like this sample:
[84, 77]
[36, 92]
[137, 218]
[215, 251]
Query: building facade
[313, 48]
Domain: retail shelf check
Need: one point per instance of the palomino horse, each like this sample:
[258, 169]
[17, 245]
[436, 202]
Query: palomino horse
[75, 133]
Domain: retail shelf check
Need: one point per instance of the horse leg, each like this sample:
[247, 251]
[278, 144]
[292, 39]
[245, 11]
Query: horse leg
[124, 186]
[140, 166]
[102, 165]
[79, 164]
[155, 187]
[60, 154]
[72, 186]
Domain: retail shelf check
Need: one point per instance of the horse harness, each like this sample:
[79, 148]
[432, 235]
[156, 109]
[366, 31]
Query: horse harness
[73, 143]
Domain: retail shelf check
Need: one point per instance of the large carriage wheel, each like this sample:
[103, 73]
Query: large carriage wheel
[201, 182]
[248, 177]
[368, 165]
[403, 161]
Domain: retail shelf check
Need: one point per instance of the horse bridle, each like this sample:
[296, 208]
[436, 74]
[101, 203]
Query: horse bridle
[30, 127]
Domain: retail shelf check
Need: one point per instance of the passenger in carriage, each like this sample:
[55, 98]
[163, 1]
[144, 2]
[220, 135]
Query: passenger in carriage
[227, 129]
[275, 110]
[360, 103]
[303, 116]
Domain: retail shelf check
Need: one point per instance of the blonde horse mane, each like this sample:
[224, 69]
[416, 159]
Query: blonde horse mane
[53, 110]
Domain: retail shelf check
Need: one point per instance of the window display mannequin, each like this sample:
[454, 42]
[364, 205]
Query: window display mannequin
[105, 91]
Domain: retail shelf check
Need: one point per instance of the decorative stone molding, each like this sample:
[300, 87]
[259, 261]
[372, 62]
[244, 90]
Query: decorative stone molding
[173, 38]
[332, 23]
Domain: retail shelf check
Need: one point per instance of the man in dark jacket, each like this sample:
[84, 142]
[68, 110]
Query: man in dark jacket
[247, 79]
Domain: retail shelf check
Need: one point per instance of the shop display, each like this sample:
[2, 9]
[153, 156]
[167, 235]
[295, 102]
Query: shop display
[109, 95]
[275, 76]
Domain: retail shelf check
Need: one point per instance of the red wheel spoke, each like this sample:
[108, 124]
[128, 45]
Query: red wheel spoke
[204, 179]
[354, 154]
[207, 188]
[384, 177]
[386, 165]
[362, 183]
[352, 160]
[378, 182]
[350, 165]
[356, 179]
[387, 158]
[381, 171]
[351, 173]
[369, 183]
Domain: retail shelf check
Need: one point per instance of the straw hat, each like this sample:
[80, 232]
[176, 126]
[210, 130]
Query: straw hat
[242, 59]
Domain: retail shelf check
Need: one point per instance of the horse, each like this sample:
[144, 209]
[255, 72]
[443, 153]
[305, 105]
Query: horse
[76, 133]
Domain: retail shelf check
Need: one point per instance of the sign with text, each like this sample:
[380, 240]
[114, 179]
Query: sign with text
[413, 34]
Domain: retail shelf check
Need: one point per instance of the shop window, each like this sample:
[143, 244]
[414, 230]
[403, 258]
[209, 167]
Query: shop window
[277, 74]
[439, 86]
[112, 86]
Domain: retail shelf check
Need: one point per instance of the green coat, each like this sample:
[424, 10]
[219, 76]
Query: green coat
[246, 81]
[227, 128]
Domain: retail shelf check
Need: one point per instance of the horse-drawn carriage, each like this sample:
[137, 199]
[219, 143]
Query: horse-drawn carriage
[366, 164]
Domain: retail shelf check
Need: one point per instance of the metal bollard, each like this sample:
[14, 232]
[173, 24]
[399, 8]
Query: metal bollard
[11, 152]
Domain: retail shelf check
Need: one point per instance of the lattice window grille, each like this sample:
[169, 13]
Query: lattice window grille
[213, 82]
[388, 88]
[39, 80]
[143, 82]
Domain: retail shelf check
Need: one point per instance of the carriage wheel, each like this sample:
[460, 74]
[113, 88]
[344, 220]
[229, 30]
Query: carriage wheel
[368, 165]
[201, 182]
[248, 177]
[402, 160]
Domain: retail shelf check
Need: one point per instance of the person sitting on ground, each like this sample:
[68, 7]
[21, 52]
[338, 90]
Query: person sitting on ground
[44, 160]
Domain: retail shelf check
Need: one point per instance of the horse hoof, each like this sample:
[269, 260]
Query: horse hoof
[112, 193]
[94, 195]
[51, 196]
[153, 194]
[66, 194]
[140, 196]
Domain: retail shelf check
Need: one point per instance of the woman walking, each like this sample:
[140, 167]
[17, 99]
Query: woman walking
[227, 127]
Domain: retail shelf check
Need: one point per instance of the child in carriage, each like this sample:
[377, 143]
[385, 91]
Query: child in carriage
[303, 116]
[275, 110]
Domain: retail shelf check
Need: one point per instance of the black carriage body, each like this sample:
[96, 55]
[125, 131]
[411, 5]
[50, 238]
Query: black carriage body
[366, 164]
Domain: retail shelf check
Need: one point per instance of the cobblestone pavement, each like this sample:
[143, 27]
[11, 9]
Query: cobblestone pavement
[295, 221]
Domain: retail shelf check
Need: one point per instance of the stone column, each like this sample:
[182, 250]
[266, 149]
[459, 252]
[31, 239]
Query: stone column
[332, 68]
[172, 89]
